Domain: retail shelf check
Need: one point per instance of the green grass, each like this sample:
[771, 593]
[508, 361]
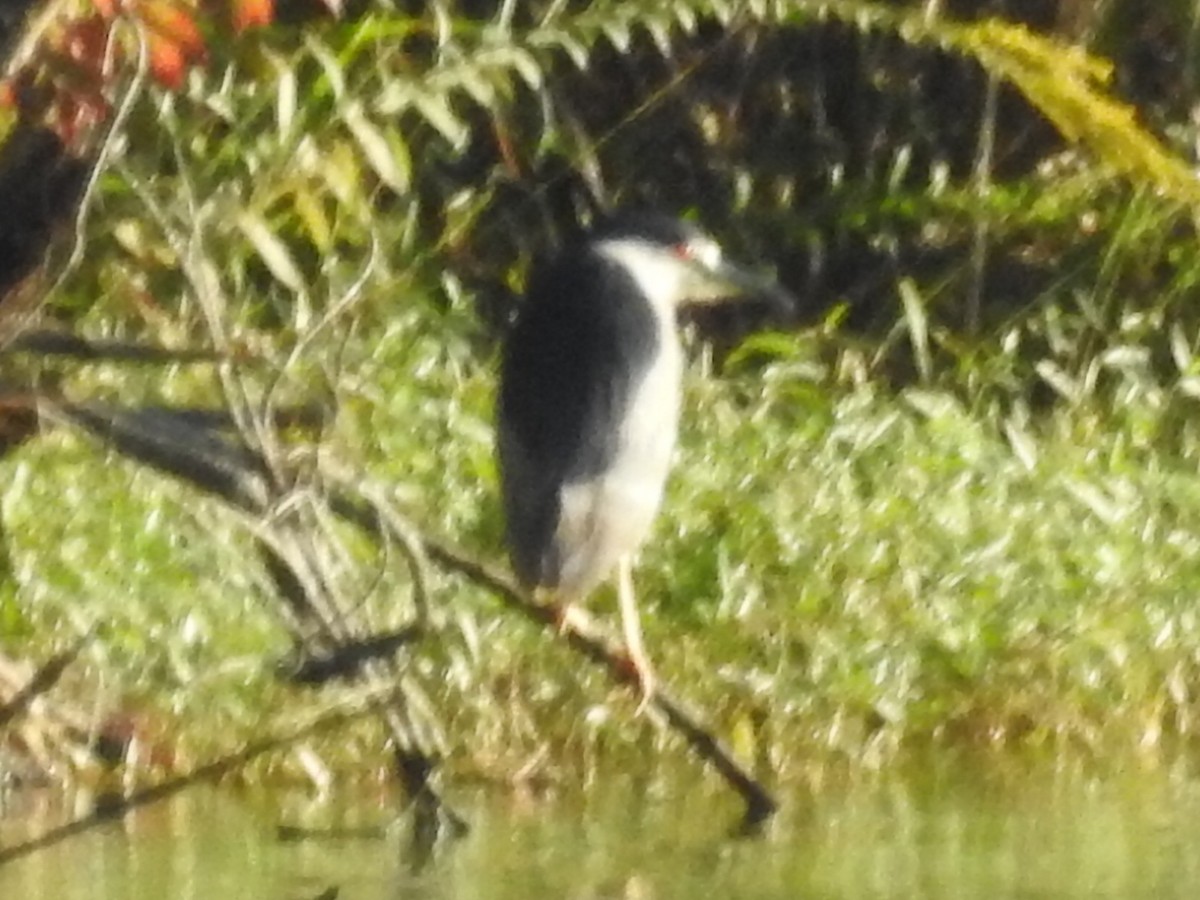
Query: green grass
[840, 575]
[1000, 555]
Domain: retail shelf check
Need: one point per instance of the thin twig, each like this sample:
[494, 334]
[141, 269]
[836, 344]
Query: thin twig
[72, 346]
[330, 720]
[112, 137]
[42, 682]
[396, 527]
[982, 182]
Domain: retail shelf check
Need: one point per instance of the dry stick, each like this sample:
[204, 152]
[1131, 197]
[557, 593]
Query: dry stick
[760, 805]
[335, 718]
[235, 468]
[240, 477]
[46, 343]
[42, 682]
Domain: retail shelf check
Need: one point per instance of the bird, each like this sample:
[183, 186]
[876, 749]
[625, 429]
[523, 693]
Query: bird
[589, 402]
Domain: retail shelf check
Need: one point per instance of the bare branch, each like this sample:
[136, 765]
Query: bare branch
[330, 720]
[583, 639]
[42, 682]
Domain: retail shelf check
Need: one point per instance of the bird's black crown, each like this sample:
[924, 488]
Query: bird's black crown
[644, 225]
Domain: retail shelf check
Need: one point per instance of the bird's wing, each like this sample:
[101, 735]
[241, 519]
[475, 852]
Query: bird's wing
[571, 365]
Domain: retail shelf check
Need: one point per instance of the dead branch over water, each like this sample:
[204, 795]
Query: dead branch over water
[319, 618]
[586, 640]
[331, 720]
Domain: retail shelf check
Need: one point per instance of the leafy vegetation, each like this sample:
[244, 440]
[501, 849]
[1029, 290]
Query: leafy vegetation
[955, 504]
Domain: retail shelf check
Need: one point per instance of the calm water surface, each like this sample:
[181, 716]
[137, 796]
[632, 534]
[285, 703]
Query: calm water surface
[953, 834]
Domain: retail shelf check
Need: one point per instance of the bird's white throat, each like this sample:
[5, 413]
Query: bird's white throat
[661, 277]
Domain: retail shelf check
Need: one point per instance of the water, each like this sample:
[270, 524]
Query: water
[948, 833]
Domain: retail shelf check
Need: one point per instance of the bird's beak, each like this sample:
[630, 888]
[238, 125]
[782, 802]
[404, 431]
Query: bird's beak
[722, 280]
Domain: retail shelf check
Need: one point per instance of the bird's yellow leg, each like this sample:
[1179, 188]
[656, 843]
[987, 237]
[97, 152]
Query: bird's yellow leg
[631, 624]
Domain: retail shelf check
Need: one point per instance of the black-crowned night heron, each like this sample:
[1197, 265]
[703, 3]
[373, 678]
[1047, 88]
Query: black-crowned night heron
[589, 405]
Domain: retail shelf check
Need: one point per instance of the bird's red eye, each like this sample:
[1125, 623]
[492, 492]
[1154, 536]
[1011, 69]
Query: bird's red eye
[683, 250]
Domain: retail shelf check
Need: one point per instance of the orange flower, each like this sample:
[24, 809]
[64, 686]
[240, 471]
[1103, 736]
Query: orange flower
[249, 14]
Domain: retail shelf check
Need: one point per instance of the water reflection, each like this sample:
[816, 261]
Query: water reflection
[949, 833]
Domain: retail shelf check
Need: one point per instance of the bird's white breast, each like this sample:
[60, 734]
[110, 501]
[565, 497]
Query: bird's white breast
[652, 420]
[608, 517]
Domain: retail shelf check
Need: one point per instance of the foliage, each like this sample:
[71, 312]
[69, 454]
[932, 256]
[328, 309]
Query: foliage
[968, 518]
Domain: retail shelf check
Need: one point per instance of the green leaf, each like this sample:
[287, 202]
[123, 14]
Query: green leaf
[478, 83]
[918, 327]
[525, 64]
[436, 111]
[330, 65]
[618, 34]
[273, 252]
[311, 213]
[285, 100]
[388, 158]
[341, 170]
[433, 107]
[1062, 383]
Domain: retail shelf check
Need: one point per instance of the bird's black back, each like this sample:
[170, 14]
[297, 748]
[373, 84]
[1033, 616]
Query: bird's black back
[581, 344]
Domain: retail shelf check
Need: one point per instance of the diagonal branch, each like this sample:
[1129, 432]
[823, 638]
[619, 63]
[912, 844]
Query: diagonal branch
[584, 639]
[236, 476]
[330, 720]
[230, 470]
[42, 682]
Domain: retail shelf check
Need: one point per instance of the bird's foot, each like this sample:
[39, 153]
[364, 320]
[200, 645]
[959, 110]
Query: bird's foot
[569, 617]
[638, 673]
